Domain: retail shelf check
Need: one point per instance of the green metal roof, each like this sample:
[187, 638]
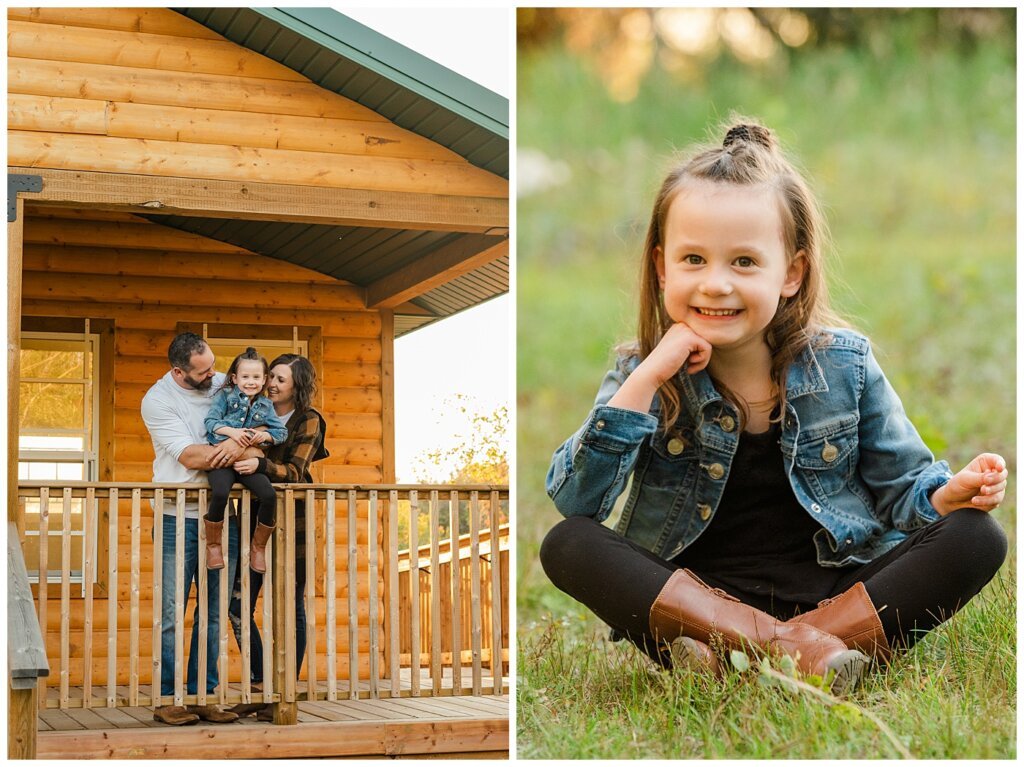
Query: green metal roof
[345, 57]
[414, 92]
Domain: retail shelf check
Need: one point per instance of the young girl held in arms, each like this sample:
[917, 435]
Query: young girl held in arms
[780, 497]
[241, 411]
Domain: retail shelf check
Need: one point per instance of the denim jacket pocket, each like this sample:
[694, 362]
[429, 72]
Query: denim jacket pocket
[826, 455]
[671, 454]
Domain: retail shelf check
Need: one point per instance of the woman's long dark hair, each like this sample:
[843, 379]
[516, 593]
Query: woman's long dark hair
[303, 379]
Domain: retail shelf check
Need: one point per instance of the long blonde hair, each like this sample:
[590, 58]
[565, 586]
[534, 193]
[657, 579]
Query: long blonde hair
[749, 154]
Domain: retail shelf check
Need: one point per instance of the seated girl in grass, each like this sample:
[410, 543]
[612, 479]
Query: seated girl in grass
[241, 411]
[780, 497]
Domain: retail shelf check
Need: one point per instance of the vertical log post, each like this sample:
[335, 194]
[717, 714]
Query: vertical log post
[414, 590]
[331, 594]
[285, 711]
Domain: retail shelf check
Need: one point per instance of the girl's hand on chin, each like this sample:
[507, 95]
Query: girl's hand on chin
[680, 347]
[979, 485]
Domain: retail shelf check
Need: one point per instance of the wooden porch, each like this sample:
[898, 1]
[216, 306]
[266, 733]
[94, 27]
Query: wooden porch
[404, 659]
[406, 726]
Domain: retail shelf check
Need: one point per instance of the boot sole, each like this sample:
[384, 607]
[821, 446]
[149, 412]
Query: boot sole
[849, 668]
[685, 654]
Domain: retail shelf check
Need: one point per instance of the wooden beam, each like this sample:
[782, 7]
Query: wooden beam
[443, 265]
[206, 198]
[328, 739]
[15, 237]
[387, 367]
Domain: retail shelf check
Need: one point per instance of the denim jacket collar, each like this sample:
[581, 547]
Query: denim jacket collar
[805, 377]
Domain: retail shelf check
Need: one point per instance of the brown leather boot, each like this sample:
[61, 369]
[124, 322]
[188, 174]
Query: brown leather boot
[852, 617]
[213, 714]
[214, 552]
[692, 654]
[258, 550]
[174, 715]
[689, 607]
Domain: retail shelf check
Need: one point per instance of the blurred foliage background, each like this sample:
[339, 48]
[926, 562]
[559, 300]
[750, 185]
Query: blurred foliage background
[904, 121]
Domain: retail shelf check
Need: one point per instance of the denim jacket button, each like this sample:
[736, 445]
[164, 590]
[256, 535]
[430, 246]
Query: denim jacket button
[599, 425]
[829, 453]
[727, 422]
[705, 511]
[676, 445]
[716, 471]
[816, 508]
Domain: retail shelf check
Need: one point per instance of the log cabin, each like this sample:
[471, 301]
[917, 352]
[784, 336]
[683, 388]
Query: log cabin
[282, 178]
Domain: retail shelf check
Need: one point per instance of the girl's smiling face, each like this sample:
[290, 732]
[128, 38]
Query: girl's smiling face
[722, 264]
[249, 377]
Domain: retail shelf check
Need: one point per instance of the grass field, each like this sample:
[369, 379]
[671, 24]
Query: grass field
[913, 156]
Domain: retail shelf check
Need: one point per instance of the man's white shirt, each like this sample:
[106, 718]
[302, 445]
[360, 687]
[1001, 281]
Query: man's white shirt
[175, 419]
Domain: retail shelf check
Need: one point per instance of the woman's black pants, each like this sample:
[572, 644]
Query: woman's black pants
[916, 586]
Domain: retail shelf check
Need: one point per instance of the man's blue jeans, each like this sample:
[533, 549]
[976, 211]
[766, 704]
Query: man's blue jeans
[167, 593]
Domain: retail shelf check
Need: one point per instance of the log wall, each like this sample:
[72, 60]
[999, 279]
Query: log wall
[149, 280]
[150, 91]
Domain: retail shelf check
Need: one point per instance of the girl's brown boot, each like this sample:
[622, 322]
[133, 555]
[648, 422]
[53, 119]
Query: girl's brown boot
[852, 617]
[258, 549]
[214, 551]
[687, 606]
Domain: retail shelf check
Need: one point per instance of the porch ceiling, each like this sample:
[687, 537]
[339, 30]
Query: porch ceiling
[364, 255]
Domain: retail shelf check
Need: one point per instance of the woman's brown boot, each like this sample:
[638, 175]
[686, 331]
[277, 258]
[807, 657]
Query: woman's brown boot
[214, 551]
[852, 617]
[688, 607]
[258, 550]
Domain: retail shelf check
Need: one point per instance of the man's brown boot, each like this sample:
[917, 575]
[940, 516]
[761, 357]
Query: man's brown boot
[214, 551]
[176, 715]
[689, 607]
[213, 714]
[258, 549]
[852, 617]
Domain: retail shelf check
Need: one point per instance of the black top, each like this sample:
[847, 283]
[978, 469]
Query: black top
[759, 543]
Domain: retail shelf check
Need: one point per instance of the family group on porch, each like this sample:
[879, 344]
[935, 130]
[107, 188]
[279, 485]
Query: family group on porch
[254, 425]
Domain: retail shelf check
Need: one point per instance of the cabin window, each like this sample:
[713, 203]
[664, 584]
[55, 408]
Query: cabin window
[226, 349]
[58, 417]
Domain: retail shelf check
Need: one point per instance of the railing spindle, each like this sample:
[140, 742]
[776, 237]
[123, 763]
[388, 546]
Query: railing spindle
[455, 571]
[202, 599]
[223, 595]
[310, 597]
[158, 569]
[88, 566]
[290, 671]
[330, 593]
[414, 591]
[395, 649]
[371, 544]
[65, 599]
[112, 537]
[496, 664]
[353, 600]
[269, 645]
[244, 600]
[435, 596]
[179, 599]
[474, 586]
[133, 610]
[44, 574]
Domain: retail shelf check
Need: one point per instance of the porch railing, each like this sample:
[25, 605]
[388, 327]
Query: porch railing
[371, 596]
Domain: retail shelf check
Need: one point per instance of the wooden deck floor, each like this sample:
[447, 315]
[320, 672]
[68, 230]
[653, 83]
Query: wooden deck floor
[424, 725]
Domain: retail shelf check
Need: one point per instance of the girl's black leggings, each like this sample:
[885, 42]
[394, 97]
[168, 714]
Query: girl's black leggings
[916, 586]
[221, 481]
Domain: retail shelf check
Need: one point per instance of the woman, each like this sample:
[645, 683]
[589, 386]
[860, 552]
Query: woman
[291, 389]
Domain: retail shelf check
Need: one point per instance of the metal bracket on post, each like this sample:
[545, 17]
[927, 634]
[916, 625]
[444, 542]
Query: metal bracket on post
[17, 182]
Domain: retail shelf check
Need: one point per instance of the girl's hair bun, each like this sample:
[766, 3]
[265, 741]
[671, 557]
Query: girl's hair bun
[754, 134]
[250, 352]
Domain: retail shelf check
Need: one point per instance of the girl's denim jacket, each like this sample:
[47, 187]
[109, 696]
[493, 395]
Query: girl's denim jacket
[854, 460]
[230, 407]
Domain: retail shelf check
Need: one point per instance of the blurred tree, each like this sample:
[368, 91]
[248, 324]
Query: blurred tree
[623, 44]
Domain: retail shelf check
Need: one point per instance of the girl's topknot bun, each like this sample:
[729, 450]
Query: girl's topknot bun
[755, 134]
